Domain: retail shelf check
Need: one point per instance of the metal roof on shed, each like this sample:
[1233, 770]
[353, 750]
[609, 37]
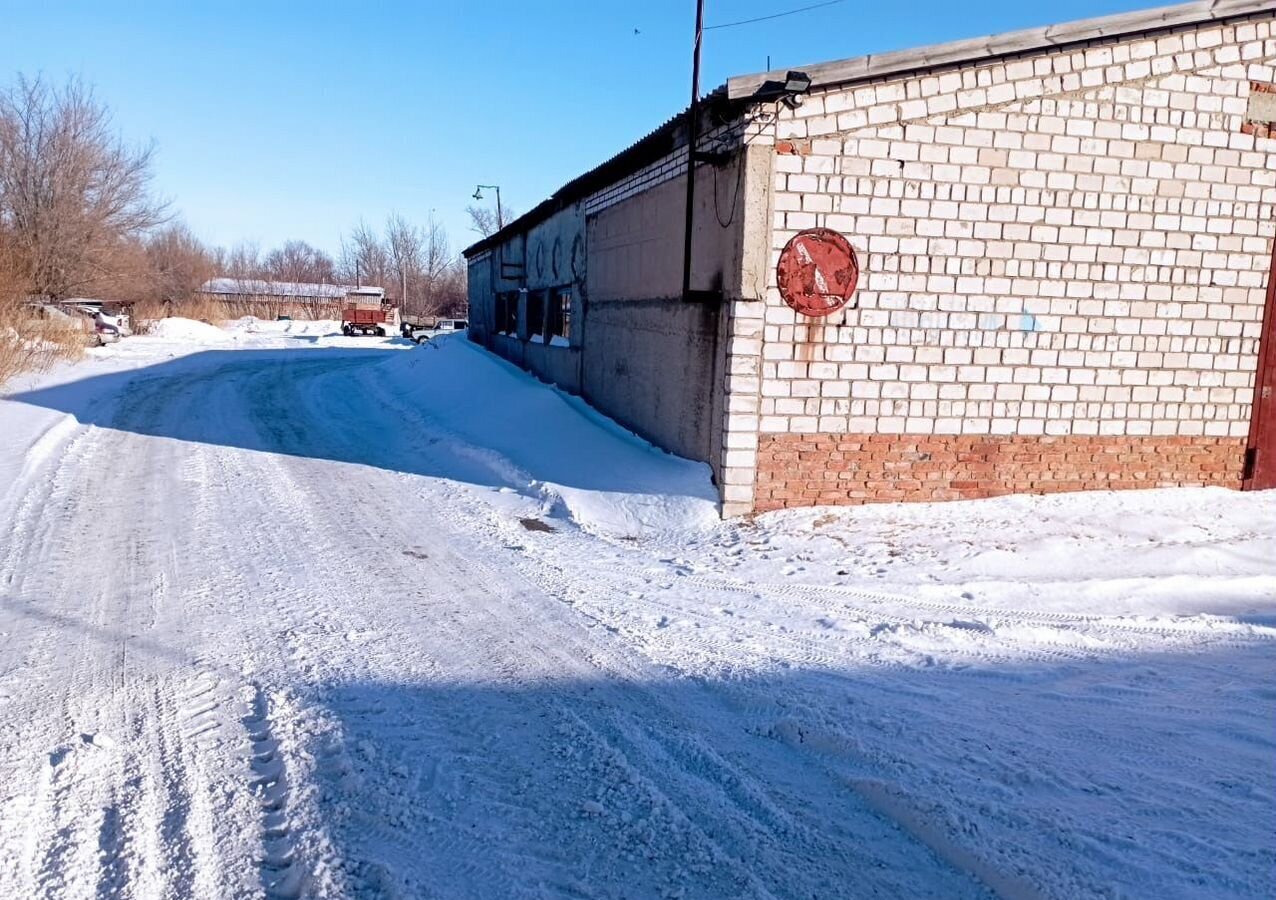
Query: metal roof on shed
[255, 287]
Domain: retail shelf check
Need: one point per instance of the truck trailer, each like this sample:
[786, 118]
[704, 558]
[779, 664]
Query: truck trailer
[366, 311]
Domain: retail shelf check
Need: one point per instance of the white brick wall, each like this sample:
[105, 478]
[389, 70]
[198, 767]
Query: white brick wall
[673, 165]
[1074, 242]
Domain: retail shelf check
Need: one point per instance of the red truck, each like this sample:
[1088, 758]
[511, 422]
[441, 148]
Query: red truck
[366, 311]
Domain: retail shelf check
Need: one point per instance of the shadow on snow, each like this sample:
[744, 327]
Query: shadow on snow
[1144, 774]
[311, 403]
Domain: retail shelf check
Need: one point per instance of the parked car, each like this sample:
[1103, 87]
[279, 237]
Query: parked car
[423, 333]
[105, 330]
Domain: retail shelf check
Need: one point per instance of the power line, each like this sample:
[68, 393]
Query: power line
[791, 12]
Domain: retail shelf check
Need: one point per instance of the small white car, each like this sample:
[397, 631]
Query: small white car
[443, 326]
[108, 329]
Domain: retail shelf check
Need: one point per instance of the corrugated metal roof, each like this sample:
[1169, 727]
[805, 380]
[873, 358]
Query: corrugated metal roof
[254, 287]
[898, 62]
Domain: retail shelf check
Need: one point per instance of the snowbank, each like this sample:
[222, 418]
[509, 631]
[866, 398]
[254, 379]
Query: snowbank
[602, 476]
[1167, 552]
[285, 327]
[190, 331]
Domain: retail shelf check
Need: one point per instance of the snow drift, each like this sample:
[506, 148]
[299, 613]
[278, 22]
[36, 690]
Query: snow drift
[191, 331]
[1055, 697]
[584, 465]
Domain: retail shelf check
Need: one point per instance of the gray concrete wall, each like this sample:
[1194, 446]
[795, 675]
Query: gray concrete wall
[650, 365]
[650, 359]
[551, 255]
[636, 246]
[639, 352]
[479, 292]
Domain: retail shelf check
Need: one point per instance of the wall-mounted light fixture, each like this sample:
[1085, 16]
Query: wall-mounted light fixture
[790, 90]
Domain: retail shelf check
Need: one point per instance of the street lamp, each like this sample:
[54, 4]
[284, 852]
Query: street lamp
[478, 195]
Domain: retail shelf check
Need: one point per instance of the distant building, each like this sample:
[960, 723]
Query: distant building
[1032, 262]
[256, 289]
[280, 297]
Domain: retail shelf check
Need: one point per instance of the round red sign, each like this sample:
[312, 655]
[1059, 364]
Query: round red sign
[817, 272]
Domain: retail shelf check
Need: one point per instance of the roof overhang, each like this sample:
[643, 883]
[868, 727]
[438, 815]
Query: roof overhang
[898, 62]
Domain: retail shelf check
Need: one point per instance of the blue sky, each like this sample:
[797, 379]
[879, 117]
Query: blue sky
[277, 120]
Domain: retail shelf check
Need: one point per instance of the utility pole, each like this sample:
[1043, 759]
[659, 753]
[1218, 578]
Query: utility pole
[693, 123]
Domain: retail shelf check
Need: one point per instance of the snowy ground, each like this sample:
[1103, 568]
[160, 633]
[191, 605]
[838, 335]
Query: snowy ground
[292, 614]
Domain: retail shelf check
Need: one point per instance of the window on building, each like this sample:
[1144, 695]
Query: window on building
[560, 315]
[536, 314]
[506, 318]
[498, 312]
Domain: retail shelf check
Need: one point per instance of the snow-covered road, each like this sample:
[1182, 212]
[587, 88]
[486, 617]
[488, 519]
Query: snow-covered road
[299, 616]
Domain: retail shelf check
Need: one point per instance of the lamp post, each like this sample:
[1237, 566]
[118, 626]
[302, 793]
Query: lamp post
[478, 195]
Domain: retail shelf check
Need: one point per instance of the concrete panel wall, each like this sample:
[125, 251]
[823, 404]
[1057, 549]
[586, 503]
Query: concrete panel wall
[652, 360]
[639, 352]
[650, 365]
[556, 251]
[636, 246]
[479, 292]
[557, 365]
[550, 255]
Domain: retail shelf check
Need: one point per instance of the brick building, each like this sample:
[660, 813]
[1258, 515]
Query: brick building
[1064, 243]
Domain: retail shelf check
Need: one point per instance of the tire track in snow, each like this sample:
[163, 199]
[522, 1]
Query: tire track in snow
[502, 612]
[129, 802]
[282, 872]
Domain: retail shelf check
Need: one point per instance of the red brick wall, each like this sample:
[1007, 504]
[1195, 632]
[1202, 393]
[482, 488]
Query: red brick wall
[819, 469]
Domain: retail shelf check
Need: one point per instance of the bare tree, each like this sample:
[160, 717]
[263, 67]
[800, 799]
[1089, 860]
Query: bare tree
[72, 194]
[243, 260]
[451, 297]
[485, 221]
[298, 261]
[364, 258]
[178, 263]
[423, 263]
[413, 262]
[439, 268]
[404, 244]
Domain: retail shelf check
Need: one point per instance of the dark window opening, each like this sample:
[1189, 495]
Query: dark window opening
[536, 314]
[506, 318]
[560, 314]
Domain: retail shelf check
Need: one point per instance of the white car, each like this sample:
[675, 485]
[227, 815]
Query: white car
[443, 326]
